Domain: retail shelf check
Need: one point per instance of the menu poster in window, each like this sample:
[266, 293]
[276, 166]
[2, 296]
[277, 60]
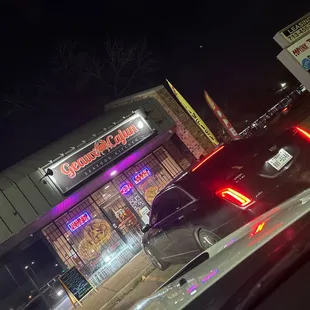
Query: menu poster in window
[144, 213]
[91, 239]
[150, 194]
[76, 284]
[137, 202]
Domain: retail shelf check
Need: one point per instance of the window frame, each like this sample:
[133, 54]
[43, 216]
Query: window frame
[175, 187]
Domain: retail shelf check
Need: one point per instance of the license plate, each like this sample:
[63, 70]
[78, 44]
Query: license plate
[280, 160]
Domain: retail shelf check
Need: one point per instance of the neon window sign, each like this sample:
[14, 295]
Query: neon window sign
[79, 221]
[141, 176]
[125, 188]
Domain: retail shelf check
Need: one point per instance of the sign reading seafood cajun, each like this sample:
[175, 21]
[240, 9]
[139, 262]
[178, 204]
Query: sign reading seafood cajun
[78, 166]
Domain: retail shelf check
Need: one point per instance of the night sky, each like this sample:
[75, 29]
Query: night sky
[226, 48]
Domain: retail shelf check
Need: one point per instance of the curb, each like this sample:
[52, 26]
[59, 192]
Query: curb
[128, 288]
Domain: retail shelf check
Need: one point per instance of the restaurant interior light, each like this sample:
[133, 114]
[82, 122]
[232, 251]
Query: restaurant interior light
[113, 173]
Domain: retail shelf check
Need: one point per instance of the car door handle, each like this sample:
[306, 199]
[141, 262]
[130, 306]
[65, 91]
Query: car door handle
[181, 217]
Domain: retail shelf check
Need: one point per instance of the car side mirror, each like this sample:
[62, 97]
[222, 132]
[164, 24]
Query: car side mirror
[145, 228]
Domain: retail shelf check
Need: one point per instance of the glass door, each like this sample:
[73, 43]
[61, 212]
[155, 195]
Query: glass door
[124, 220]
[120, 215]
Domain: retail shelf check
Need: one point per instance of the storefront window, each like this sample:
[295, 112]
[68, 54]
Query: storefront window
[83, 237]
[149, 177]
[168, 162]
[105, 193]
[62, 247]
[94, 240]
[103, 232]
[122, 217]
[132, 196]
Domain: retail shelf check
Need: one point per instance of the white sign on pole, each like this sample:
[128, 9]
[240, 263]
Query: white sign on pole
[301, 52]
[296, 30]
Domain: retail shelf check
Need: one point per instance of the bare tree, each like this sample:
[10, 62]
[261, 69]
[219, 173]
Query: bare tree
[118, 64]
[99, 74]
[65, 57]
[18, 99]
[68, 74]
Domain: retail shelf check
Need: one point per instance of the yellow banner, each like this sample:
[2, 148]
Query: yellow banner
[194, 115]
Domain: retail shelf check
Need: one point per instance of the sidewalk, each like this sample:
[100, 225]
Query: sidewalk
[145, 288]
[120, 284]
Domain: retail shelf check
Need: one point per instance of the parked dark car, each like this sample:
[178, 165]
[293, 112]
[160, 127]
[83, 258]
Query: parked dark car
[237, 182]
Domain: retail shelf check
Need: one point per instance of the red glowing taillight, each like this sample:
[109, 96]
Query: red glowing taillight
[234, 197]
[303, 132]
[208, 157]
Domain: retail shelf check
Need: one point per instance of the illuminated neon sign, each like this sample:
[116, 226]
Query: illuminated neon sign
[141, 176]
[125, 188]
[79, 221]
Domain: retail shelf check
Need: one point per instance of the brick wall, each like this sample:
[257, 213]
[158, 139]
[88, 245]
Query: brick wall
[186, 129]
[179, 152]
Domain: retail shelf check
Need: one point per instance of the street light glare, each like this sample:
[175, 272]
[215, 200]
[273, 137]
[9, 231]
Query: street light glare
[26, 267]
[283, 85]
[32, 263]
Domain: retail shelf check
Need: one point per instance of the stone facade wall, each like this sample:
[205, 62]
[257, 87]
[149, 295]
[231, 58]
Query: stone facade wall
[181, 154]
[186, 129]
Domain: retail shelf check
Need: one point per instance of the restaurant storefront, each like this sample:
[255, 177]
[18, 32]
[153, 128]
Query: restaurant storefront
[103, 232]
[88, 193]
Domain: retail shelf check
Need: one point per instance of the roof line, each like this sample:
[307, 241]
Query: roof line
[128, 99]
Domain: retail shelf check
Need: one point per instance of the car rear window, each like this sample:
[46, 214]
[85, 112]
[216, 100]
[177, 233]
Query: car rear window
[232, 155]
[167, 203]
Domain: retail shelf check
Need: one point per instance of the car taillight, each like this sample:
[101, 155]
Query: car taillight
[303, 133]
[234, 197]
[208, 157]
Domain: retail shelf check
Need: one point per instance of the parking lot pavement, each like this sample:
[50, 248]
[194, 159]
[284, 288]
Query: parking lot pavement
[119, 284]
[145, 288]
